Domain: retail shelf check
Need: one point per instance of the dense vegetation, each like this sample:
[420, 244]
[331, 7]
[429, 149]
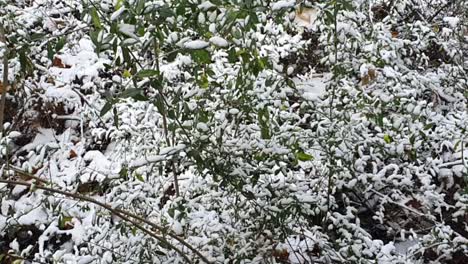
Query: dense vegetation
[229, 131]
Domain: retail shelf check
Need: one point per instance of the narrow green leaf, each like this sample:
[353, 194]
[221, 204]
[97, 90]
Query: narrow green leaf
[302, 156]
[139, 177]
[388, 139]
[147, 73]
[166, 12]
[50, 51]
[63, 220]
[201, 56]
[60, 44]
[106, 108]
[130, 93]
[37, 36]
[118, 4]
[116, 117]
[95, 18]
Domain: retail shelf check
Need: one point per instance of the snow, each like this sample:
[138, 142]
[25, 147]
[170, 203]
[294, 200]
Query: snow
[43, 137]
[219, 41]
[202, 126]
[35, 216]
[117, 13]
[452, 21]
[85, 64]
[196, 44]
[282, 4]
[128, 29]
[206, 5]
[100, 167]
[312, 86]
[402, 247]
[147, 160]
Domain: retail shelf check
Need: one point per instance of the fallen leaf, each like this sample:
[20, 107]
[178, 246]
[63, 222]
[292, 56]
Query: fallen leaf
[414, 203]
[365, 80]
[281, 255]
[372, 74]
[57, 62]
[73, 154]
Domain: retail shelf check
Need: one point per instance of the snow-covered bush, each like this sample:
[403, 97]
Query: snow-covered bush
[228, 132]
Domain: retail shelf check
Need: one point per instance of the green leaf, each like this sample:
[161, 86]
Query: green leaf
[302, 156]
[118, 4]
[201, 56]
[130, 93]
[140, 6]
[160, 104]
[263, 119]
[127, 74]
[63, 220]
[37, 36]
[232, 55]
[50, 51]
[204, 83]
[147, 73]
[106, 108]
[116, 117]
[123, 173]
[429, 126]
[388, 139]
[165, 12]
[60, 44]
[139, 177]
[95, 18]
[27, 66]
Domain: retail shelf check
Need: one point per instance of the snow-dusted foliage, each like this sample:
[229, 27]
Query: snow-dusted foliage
[141, 131]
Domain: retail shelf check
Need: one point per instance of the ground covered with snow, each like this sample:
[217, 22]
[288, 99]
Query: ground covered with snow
[194, 131]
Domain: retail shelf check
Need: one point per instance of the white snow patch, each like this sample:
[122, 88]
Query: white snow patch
[219, 41]
[128, 30]
[312, 86]
[147, 160]
[452, 21]
[44, 136]
[117, 13]
[85, 63]
[196, 44]
[101, 165]
[37, 215]
[206, 5]
[282, 4]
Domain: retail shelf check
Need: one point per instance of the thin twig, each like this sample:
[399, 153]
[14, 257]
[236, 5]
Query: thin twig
[449, 3]
[5, 75]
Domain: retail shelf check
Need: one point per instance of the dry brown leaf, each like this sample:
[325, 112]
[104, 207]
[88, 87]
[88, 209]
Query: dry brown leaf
[73, 154]
[372, 74]
[281, 255]
[57, 62]
[365, 80]
[414, 203]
